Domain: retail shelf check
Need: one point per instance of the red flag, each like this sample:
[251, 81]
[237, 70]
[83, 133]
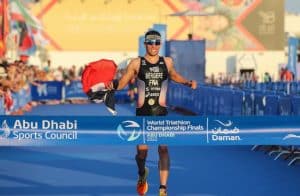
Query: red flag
[102, 71]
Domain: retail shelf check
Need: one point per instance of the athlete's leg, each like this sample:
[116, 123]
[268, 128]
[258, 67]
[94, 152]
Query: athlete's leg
[140, 157]
[142, 185]
[164, 165]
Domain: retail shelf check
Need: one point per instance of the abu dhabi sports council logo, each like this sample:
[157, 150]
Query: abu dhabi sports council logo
[129, 130]
[4, 130]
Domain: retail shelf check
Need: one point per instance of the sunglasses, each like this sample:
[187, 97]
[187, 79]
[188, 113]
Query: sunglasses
[151, 42]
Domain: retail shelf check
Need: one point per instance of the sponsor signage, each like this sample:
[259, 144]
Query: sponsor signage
[44, 131]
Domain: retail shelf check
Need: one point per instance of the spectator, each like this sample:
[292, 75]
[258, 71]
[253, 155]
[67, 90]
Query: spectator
[286, 75]
[48, 67]
[267, 77]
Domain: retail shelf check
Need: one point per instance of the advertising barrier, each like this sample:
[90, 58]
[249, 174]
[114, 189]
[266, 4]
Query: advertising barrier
[47, 91]
[2, 108]
[74, 90]
[82, 130]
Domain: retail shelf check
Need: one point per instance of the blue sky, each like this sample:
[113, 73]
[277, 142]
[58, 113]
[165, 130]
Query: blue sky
[292, 6]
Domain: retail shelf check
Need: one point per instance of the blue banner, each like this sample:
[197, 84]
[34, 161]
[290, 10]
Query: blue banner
[142, 49]
[24, 97]
[47, 91]
[2, 108]
[189, 58]
[74, 90]
[45, 131]
[297, 76]
[292, 58]
[16, 98]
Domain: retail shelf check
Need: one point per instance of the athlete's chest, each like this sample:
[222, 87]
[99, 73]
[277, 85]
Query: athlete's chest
[156, 71]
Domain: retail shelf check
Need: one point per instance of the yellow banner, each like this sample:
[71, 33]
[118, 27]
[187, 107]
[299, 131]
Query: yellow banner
[107, 25]
[115, 25]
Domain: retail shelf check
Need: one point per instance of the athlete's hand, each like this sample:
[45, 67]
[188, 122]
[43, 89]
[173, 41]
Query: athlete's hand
[110, 86]
[193, 84]
[113, 85]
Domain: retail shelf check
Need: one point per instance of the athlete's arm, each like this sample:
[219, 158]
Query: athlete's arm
[176, 77]
[130, 73]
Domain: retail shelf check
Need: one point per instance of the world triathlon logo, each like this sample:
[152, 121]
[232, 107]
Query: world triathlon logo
[129, 130]
[4, 130]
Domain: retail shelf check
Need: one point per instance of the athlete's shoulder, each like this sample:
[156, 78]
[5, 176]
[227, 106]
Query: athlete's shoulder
[168, 60]
[134, 62]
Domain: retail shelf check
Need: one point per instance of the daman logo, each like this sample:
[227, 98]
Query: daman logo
[290, 136]
[224, 131]
[129, 130]
[4, 130]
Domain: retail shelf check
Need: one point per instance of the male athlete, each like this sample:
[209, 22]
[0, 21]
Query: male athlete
[152, 73]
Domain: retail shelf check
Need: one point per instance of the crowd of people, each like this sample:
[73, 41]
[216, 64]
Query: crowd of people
[17, 75]
[237, 80]
[222, 79]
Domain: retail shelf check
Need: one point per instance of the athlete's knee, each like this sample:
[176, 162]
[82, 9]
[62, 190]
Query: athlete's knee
[164, 159]
[142, 152]
[163, 150]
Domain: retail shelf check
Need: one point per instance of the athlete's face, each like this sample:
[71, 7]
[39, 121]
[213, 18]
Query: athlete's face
[152, 47]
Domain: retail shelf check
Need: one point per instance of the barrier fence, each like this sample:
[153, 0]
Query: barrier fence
[235, 116]
[236, 101]
[277, 98]
[52, 90]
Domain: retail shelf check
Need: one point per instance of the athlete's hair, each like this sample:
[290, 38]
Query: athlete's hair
[152, 32]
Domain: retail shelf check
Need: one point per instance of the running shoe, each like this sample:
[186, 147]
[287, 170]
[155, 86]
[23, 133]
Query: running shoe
[142, 185]
[163, 192]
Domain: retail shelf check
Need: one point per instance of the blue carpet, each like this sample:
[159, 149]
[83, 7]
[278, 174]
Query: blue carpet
[111, 170]
[80, 110]
[85, 110]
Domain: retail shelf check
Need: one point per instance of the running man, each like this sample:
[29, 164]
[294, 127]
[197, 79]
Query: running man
[152, 73]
